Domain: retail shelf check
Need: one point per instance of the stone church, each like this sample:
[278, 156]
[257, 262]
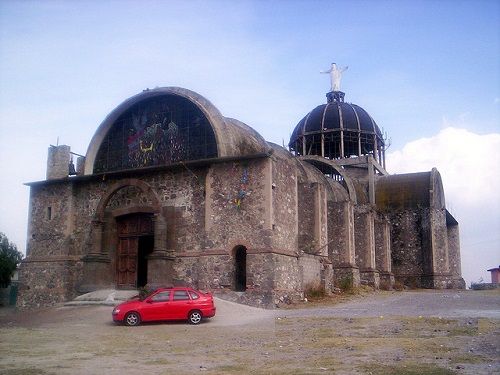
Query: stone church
[171, 192]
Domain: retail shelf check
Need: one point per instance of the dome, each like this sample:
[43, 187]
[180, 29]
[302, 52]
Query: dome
[337, 130]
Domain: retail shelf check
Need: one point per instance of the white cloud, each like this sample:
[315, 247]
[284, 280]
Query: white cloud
[469, 166]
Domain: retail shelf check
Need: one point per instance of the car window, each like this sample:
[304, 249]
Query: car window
[180, 295]
[161, 297]
[194, 295]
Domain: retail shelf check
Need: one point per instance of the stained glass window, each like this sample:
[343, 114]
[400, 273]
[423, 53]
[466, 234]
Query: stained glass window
[157, 131]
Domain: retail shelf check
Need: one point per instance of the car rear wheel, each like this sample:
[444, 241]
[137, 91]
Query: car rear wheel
[195, 317]
[132, 319]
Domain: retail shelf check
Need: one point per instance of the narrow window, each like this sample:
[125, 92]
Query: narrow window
[240, 265]
[49, 213]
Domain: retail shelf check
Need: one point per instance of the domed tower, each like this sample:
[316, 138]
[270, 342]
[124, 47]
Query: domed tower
[338, 130]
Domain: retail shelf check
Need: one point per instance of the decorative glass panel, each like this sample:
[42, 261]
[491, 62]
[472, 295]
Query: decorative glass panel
[157, 131]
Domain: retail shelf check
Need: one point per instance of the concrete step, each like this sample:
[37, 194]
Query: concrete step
[108, 297]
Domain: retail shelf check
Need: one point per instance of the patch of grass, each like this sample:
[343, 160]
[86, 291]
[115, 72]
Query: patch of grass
[25, 371]
[314, 291]
[468, 358]
[327, 362]
[230, 369]
[488, 325]
[406, 369]
[156, 362]
[463, 331]
[346, 284]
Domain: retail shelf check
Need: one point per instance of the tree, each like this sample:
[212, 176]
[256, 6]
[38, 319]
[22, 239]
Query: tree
[10, 257]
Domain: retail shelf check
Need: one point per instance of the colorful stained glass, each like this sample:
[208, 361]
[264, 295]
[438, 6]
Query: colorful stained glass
[157, 131]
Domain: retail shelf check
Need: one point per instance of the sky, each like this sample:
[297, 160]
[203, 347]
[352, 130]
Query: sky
[428, 72]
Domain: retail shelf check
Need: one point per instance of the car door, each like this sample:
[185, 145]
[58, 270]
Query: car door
[181, 304]
[157, 307]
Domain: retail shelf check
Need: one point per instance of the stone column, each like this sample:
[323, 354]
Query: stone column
[454, 256]
[383, 252]
[161, 260]
[97, 273]
[441, 276]
[364, 234]
[341, 243]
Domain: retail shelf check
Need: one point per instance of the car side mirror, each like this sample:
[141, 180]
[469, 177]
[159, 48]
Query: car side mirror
[149, 301]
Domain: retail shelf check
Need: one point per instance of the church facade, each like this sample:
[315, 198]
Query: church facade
[171, 192]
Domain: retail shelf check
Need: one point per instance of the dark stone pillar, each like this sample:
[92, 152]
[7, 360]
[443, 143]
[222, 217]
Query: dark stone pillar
[383, 253]
[364, 234]
[341, 250]
[96, 264]
[161, 260]
[454, 256]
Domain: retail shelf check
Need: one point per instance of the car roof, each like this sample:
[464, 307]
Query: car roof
[174, 288]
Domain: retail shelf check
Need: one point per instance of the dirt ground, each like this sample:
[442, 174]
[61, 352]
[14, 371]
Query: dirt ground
[412, 332]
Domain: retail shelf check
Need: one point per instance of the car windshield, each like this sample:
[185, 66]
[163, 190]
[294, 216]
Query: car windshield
[145, 293]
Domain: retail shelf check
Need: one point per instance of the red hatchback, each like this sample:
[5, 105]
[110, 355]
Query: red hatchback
[166, 304]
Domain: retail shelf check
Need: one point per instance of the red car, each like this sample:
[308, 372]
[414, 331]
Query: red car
[166, 304]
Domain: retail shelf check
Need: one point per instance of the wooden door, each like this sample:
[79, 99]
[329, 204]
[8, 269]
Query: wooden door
[130, 229]
[127, 261]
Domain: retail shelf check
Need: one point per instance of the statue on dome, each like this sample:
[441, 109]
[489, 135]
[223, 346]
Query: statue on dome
[335, 75]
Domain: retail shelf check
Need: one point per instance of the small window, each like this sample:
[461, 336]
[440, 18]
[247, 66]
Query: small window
[161, 297]
[49, 213]
[194, 295]
[181, 295]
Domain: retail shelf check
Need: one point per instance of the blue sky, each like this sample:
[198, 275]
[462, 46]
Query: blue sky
[418, 67]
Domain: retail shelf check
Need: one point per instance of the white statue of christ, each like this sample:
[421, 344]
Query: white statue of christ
[335, 76]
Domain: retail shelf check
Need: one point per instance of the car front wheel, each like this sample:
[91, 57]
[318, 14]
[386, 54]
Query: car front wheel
[132, 319]
[195, 317]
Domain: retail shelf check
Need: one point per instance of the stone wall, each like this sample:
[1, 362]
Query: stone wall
[410, 246]
[208, 212]
[58, 162]
[454, 256]
[44, 283]
[271, 278]
[311, 269]
[284, 204]
[205, 212]
[50, 226]
[364, 238]
[237, 207]
[307, 239]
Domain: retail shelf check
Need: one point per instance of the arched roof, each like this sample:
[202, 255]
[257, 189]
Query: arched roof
[329, 167]
[232, 137]
[410, 190]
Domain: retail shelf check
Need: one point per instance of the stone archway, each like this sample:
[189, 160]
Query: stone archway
[140, 254]
[151, 200]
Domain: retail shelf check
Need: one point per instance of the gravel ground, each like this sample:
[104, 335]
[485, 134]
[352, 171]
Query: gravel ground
[417, 332]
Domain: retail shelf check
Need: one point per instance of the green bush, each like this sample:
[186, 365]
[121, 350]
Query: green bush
[346, 284]
[9, 260]
[314, 291]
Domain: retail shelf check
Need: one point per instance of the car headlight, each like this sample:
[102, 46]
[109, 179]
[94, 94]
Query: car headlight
[116, 310]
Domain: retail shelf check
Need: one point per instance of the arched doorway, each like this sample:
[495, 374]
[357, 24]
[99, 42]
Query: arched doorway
[240, 269]
[135, 243]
